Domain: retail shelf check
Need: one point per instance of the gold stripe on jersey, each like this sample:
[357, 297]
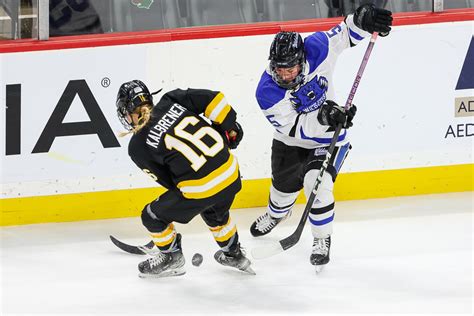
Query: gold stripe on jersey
[217, 109]
[212, 105]
[223, 114]
[224, 232]
[164, 238]
[213, 183]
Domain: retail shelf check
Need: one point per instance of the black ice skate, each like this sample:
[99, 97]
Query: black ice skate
[320, 252]
[164, 264]
[264, 224]
[234, 258]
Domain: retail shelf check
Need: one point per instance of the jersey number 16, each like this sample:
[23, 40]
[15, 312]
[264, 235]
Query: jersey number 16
[196, 159]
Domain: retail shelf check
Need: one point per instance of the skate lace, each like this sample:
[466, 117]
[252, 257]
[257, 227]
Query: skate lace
[320, 246]
[156, 260]
[265, 222]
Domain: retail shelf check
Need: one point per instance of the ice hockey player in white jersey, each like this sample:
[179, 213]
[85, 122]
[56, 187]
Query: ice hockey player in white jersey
[295, 94]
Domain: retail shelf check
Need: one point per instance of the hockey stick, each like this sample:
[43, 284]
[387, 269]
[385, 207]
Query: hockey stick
[136, 250]
[290, 241]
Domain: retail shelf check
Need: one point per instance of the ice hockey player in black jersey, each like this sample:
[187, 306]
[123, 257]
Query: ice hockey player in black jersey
[295, 94]
[179, 149]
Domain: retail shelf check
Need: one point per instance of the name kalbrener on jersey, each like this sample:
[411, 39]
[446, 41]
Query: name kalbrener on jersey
[161, 127]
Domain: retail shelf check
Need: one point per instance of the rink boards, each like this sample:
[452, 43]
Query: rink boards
[63, 161]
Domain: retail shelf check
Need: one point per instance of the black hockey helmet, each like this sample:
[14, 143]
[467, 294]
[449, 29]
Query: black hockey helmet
[286, 51]
[130, 96]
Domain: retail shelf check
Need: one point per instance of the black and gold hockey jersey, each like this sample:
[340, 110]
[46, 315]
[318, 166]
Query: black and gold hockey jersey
[180, 150]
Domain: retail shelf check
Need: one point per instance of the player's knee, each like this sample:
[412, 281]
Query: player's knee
[325, 194]
[151, 221]
[214, 219]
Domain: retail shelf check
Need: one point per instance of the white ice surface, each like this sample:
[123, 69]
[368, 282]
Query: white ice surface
[398, 256]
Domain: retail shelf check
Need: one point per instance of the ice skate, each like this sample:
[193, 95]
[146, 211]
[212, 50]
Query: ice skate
[235, 258]
[264, 224]
[164, 264]
[320, 253]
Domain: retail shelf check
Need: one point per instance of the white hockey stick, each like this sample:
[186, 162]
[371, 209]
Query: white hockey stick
[288, 242]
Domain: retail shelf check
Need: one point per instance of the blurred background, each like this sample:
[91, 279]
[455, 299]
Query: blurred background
[19, 18]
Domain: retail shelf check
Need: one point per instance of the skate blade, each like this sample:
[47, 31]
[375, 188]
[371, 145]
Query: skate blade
[319, 268]
[249, 270]
[164, 274]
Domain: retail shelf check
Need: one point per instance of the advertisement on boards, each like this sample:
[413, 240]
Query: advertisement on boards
[59, 129]
[464, 99]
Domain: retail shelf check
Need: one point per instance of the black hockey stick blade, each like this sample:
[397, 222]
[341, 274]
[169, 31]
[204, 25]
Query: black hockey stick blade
[136, 250]
[290, 241]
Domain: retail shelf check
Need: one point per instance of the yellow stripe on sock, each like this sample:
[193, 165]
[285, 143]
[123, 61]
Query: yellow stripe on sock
[226, 236]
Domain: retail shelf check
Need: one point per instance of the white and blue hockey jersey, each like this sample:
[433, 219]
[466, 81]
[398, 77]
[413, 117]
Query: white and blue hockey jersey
[282, 107]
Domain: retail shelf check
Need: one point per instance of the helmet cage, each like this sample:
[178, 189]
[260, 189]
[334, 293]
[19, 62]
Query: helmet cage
[293, 83]
[123, 116]
[287, 51]
[131, 96]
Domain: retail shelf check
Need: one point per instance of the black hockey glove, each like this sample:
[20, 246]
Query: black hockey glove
[372, 19]
[332, 114]
[232, 136]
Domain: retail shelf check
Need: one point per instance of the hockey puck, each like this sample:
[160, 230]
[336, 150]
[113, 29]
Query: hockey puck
[197, 259]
